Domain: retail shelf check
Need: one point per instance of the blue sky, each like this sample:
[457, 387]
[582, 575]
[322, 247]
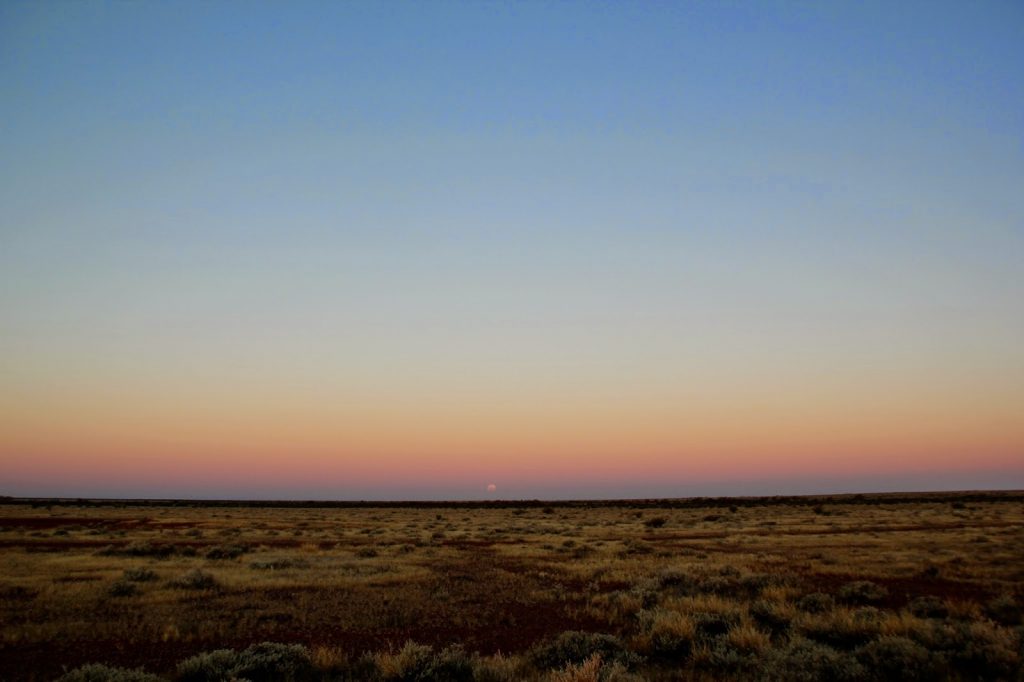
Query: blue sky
[511, 204]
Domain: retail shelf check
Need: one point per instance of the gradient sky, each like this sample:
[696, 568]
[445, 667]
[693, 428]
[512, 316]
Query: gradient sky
[405, 250]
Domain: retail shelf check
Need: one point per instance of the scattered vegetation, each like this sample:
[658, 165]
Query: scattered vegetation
[861, 588]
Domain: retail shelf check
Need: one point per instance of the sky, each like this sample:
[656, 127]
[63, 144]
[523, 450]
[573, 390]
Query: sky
[571, 249]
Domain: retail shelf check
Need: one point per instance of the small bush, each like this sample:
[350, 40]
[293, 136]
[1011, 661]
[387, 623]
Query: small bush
[575, 647]
[272, 662]
[898, 658]
[805, 661]
[668, 634]
[816, 602]
[122, 588]
[265, 662]
[862, 592]
[841, 628]
[366, 552]
[221, 552]
[210, 666]
[95, 672]
[714, 624]
[770, 615]
[139, 575]
[277, 564]
[195, 580]
[411, 662]
[929, 607]
[656, 522]
[451, 664]
[1003, 610]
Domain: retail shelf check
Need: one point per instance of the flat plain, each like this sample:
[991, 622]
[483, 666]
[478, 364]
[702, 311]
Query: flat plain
[900, 586]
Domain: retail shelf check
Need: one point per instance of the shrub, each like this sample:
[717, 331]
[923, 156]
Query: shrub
[225, 552]
[139, 575]
[122, 588]
[841, 628]
[411, 662]
[95, 672]
[805, 661]
[929, 607]
[898, 658]
[770, 615]
[862, 592]
[210, 666]
[669, 634]
[656, 522]
[816, 602]
[195, 580]
[1004, 610]
[979, 650]
[265, 662]
[575, 647]
[272, 662]
[714, 624]
[366, 552]
[451, 664]
[497, 668]
[276, 564]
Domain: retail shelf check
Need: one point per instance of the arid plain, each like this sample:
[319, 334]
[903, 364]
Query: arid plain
[924, 586]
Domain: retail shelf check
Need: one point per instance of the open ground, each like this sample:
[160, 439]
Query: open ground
[862, 587]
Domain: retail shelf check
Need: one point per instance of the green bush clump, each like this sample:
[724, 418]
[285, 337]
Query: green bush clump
[816, 602]
[862, 592]
[575, 647]
[899, 658]
[96, 672]
[264, 662]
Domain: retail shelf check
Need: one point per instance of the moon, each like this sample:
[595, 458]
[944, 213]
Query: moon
[492, 488]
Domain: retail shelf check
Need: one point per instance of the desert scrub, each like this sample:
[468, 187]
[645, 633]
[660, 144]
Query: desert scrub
[1003, 610]
[776, 617]
[802, 660]
[265, 662]
[667, 634]
[862, 592]
[122, 588]
[816, 602]
[95, 672]
[139, 575]
[928, 607]
[195, 580]
[593, 670]
[841, 628]
[419, 662]
[221, 552]
[277, 564]
[575, 647]
[899, 658]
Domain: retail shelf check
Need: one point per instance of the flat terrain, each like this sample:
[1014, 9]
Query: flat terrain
[857, 586]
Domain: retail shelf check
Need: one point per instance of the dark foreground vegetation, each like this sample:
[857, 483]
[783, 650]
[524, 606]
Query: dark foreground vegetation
[895, 587]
